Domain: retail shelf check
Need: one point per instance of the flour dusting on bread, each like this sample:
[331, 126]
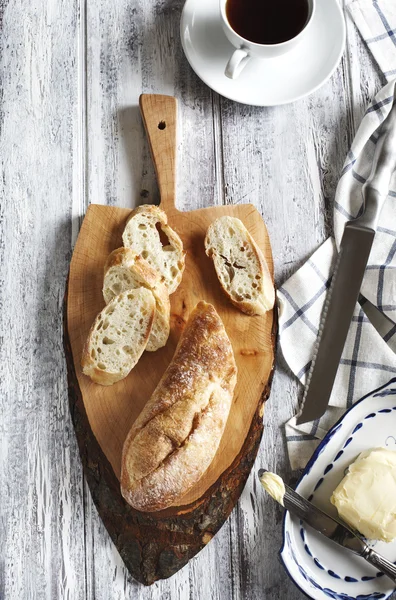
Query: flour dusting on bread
[177, 434]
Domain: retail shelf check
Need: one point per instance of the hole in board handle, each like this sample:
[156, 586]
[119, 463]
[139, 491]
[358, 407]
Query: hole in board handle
[161, 125]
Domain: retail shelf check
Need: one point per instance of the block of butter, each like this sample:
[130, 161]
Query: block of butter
[366, 497]
[273, 484]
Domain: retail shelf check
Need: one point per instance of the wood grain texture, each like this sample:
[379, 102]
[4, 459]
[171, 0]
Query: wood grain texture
[41, 491]
[157, 545]
[159, 114]
[112, 410]
[180, 531]
[71, 75]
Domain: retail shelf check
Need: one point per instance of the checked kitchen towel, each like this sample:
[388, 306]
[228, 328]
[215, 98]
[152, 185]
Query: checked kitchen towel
[369, 358]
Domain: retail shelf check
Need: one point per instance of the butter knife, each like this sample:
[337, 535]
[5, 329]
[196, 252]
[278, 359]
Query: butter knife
[347, 278]
[334, 530]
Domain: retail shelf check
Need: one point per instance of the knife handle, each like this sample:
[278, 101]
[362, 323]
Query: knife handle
[376, 188]
[383, 564]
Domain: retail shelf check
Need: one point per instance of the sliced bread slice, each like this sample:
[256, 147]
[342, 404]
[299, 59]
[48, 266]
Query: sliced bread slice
[240, 266]
[148, 234]
[125, 270]
[118, 336]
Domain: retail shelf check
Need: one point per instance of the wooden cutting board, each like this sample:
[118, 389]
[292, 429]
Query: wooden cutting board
[156, 545]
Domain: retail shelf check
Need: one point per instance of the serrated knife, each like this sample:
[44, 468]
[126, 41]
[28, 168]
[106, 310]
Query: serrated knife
[334, 529]
[343, 293]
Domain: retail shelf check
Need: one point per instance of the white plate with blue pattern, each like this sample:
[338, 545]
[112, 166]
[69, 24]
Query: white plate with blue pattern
[320, 568]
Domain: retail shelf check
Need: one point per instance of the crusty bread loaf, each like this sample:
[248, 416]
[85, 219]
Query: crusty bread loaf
[240, 266]
[175, 437]
[125, 270]
[118, 336]
[147, 233]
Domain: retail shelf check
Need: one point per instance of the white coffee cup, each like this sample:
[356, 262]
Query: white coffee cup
[245, 49]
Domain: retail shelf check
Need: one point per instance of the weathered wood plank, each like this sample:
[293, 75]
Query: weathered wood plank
[40, 473]
[334, 113]
[286, 161]
[134, 49]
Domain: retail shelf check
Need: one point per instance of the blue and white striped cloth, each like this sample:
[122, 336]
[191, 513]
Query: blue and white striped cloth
[369, 358]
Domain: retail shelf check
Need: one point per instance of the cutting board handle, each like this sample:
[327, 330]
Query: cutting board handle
[160, 117]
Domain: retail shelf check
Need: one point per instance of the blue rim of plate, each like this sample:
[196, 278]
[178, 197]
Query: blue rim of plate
[306, 471]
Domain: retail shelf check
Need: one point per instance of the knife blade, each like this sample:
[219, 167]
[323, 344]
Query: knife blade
[355, 247]
[334, 529]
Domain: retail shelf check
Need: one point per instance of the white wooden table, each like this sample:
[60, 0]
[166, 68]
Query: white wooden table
[71, 134]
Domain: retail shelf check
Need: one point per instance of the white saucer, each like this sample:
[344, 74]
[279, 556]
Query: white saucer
[268, 82]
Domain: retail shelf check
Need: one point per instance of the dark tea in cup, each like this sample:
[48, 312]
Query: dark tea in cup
[267, 21]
